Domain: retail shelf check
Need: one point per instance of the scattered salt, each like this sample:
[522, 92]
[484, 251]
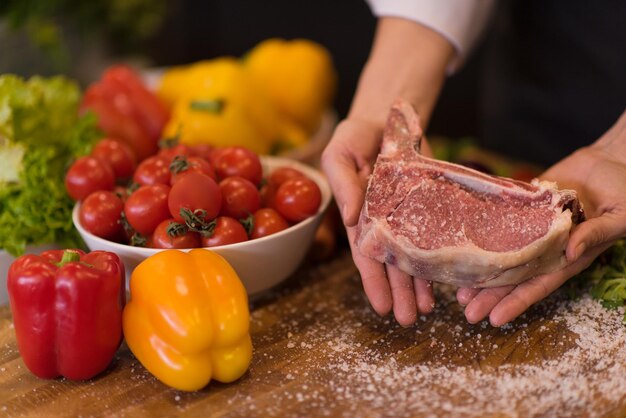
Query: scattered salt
[578, 369]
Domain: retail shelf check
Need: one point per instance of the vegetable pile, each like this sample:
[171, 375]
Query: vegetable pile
[187, 196]
[270, 101]
[40, 134]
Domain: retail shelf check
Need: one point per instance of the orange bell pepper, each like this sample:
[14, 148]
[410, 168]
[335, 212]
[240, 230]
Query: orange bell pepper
[188, 319]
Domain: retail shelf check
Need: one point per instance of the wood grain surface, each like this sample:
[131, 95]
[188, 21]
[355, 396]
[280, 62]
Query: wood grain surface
[319, 350]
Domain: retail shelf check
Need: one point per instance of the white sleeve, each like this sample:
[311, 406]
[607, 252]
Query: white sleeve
[459, 21]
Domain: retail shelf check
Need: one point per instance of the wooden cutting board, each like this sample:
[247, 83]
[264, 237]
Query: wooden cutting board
[321, 351]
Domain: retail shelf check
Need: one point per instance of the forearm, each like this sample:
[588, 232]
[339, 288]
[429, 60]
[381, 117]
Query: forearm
[407, 60]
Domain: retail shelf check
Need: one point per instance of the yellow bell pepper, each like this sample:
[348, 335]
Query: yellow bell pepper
[298, 76]
[215, 121]
[245, 117]
[188, 319]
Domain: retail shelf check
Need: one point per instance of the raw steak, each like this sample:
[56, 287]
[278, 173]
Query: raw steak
[448, 223]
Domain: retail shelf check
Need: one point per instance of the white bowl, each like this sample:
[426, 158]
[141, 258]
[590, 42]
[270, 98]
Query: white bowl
[260, 263]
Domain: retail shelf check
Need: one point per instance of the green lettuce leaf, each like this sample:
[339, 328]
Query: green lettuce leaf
[41, 133]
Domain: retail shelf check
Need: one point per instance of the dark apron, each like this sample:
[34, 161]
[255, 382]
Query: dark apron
[555, 76]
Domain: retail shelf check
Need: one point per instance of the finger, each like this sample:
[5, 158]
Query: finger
[465, 295]
[347, 183]
[484, 301]
[594, 232]
[342, 175]
[373, 277]
[424, 295]
[532, 291]
[403, 294]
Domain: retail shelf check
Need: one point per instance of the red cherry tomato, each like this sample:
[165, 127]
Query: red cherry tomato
[240, 198]
[171, 234]
[203, 151]
[147, 207]
[227, 231]
[214, 155]
[88, 175]
[119, 155]
[100, 213]
[195, 192]
[122, 192]
[274, 180]
[282, 174]
[152, 170]
[267, 221]
[298, 198]
[238, 161]
[182, 165]
[267, 192]
[169, 153]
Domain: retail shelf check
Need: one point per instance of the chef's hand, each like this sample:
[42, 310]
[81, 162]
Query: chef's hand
[598, 174]
[347, 161]
[407, 60]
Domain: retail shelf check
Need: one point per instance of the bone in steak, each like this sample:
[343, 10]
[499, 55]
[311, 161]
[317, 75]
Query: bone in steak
[448, 223]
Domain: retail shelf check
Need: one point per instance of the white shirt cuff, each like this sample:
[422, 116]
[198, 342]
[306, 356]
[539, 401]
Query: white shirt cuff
[461, 22]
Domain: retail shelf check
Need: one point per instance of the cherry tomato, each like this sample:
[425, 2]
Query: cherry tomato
[298, 198]
[100, 213]
[195, 192]
[282, 174]
[147, 207]
[122, 192]
[182, 165]
[119, 155]
[227, 231]
[169, 153]
[268, 193]
[274, 180]
[267, 221]
[238, 161]
[152, 170]
[171, 234]
[240, 197]
[88, 175]
[203, 151]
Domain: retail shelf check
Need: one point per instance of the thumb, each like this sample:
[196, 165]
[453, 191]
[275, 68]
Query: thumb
[593, 232]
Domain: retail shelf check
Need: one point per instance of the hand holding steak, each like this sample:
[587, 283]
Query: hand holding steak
[452, 224]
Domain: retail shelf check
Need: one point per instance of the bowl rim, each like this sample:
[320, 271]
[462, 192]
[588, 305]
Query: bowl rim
[269, 163]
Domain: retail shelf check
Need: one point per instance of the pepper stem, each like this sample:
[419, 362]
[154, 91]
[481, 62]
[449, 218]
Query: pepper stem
[69, 256]
[212, 106]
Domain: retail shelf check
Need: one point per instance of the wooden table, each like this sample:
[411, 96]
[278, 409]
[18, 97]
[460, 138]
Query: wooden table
[320, 351]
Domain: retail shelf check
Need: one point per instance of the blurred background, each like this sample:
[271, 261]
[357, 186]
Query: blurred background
[536, 88]
[81, 39]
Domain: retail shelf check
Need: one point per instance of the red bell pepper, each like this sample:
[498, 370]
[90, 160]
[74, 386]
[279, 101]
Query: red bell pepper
[150, 111]
[127, 110]
[116, 117]
[67, 311]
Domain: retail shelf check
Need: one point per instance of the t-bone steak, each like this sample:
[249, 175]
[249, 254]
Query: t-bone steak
[448, 223]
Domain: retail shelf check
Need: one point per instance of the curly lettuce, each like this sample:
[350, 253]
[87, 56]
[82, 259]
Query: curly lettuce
[41, 133]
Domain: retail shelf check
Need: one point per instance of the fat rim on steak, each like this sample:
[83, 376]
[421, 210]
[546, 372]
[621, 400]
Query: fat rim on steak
[448, 223]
